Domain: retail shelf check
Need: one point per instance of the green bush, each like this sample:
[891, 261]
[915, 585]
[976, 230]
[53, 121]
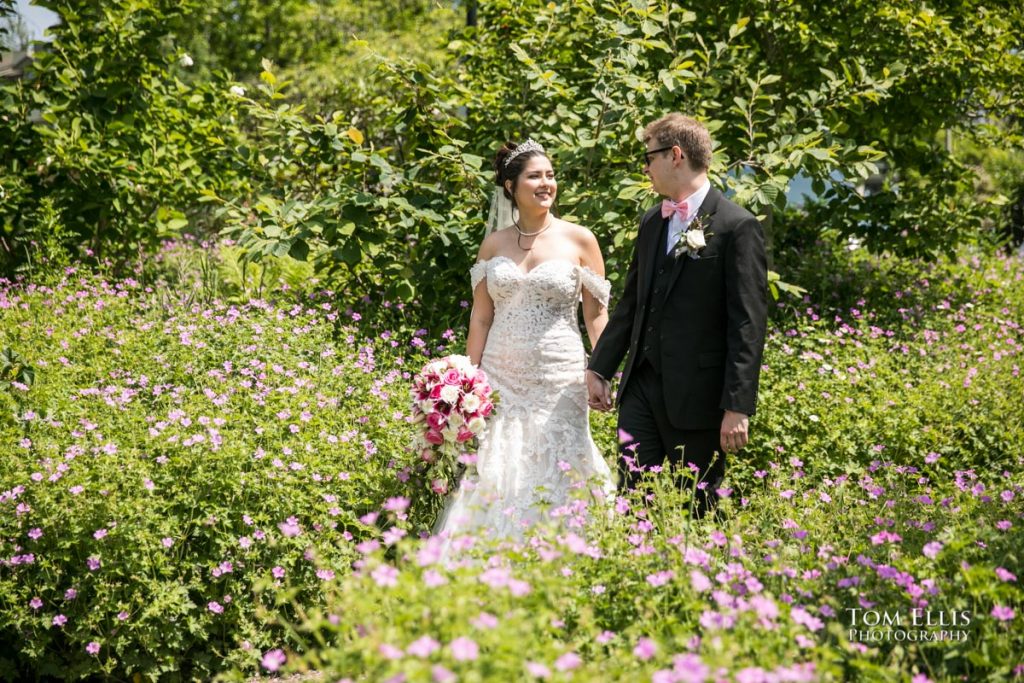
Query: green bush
[790, 586]
[133, 412]
[161, 440]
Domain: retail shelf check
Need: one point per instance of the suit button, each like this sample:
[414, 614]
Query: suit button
[650, 329]
[657, 290]
[653, 310]
[647, 347]
[661, 271]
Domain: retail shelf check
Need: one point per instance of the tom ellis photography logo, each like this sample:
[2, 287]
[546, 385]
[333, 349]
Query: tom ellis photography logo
[869, 625]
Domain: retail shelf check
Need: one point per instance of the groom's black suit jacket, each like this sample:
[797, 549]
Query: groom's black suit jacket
[711, 331]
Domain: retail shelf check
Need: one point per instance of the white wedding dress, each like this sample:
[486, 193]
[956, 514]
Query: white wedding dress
[537, 446]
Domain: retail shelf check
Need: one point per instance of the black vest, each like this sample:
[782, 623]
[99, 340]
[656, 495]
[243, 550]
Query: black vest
[650, 335]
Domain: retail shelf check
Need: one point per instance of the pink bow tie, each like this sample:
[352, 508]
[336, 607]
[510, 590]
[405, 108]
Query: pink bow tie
[669, 207]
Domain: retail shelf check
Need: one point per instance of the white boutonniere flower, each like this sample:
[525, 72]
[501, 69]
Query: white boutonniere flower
[693, 240]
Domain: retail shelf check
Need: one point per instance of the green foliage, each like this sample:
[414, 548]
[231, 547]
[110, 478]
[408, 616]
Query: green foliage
[378, 176]
[160, 440]
[207, 422]
[798, 569]
[103, 133]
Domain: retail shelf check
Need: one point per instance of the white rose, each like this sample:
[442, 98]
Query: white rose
[186, 61]
[238, 91]
[461, 363]
[427, 406]
[695, 239]
[434, 368]
[450, 433]
[476, 425]
[450, 394]
[470, 403]
[456, 420]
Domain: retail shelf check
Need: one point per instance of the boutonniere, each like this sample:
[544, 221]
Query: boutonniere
[693, 240]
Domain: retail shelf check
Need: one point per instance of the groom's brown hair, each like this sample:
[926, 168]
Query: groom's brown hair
[688, 133]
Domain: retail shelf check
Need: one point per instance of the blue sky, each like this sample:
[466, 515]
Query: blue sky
[36, 19]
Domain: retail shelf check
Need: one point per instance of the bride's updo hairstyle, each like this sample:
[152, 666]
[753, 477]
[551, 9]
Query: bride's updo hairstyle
[510, 161]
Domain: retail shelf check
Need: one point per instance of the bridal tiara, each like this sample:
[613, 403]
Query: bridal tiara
[528, 146]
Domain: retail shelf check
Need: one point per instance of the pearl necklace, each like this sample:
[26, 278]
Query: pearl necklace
[551, 219]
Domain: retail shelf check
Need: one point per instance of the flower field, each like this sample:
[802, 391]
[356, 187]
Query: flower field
[195, 486]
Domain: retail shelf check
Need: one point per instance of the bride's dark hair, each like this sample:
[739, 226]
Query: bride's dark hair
[514, 167]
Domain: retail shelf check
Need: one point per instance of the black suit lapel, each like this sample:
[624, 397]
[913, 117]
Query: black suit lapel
[706, 213]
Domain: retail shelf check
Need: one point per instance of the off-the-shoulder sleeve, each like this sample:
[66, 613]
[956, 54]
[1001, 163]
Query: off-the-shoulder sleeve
[598, 287]
[477, 273]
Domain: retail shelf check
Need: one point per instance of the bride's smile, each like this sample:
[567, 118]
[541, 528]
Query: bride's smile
[536, 189]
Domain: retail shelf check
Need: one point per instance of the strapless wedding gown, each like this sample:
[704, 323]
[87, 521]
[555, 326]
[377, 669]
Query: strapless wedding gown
[537, 446]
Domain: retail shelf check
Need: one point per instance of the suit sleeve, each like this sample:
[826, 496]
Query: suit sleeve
[614, 342]
[746, 283]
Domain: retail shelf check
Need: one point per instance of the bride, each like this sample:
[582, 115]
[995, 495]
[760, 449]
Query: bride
[527, 284]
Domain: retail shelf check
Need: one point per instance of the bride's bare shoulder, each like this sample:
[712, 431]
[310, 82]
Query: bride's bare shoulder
[493, 244]
[581, 235]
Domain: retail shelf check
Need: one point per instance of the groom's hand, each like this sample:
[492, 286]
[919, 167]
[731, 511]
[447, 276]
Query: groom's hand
[599, 393]
[733, 434]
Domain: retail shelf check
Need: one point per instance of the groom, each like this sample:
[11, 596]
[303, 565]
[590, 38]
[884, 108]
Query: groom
[691, 321]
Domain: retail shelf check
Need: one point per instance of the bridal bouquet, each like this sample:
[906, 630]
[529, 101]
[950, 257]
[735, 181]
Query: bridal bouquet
[451, 400]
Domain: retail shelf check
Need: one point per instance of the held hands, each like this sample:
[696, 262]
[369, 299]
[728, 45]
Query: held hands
[599, 392]
[734, 431]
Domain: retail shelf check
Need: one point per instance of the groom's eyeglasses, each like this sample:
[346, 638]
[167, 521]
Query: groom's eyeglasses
[647, 155]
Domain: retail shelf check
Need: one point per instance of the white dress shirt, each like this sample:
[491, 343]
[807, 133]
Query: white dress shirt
[677, 225]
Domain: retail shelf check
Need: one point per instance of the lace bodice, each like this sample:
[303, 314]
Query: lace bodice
[538, 441]
[547, 278]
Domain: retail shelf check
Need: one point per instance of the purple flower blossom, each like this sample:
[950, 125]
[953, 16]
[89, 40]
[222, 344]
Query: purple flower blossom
[645, 649]
[385, 576]
[1004, 575]
[290, 527]
[485, 621]
[99, 534]
[93, 648]
[215, 607]
[396, 504]
[35, 603]
[60, 620]
[538, 670]
[660, 578]
[1003, 613]
[273, 660]
[464, 649]
[423, 647]
[389, 651]
[442, 675]
[568, 661]
[931, 550]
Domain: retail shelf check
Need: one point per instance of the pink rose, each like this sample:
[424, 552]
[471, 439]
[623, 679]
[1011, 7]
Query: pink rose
[439, 486]
[486, 408]
[437, 421]
[433, 436]
[427, 455]
[453, 377]
[465, 434]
